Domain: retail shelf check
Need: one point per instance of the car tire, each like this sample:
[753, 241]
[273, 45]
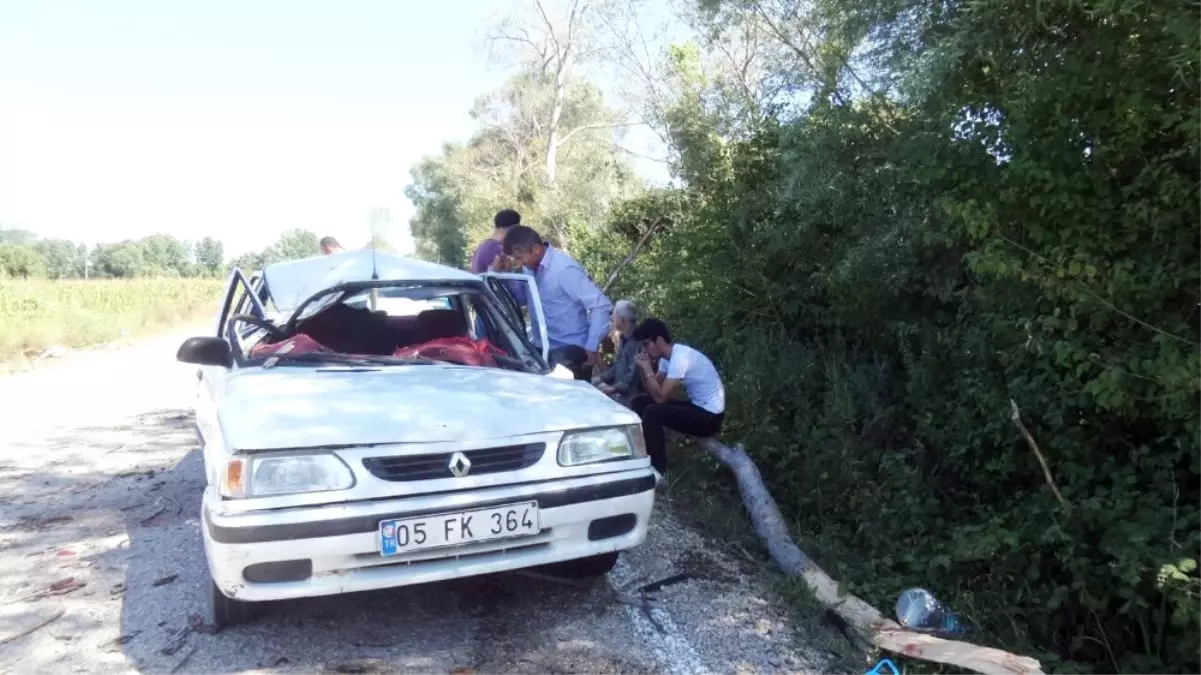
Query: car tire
[225, 611]
[586, 568]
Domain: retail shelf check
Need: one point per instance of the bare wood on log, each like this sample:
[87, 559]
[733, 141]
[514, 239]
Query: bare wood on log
[1016, 416]
[866, 620]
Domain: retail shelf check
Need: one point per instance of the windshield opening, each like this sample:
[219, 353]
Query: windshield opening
[395, 325]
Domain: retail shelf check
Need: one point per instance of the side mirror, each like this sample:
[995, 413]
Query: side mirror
[205, 351]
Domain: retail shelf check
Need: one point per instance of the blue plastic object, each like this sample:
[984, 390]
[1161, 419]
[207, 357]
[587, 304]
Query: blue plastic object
[884, 662]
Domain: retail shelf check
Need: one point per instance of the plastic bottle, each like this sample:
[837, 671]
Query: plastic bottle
[918, 610]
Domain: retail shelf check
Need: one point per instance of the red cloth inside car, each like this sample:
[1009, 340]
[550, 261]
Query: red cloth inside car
[455, 349]
[301, 344]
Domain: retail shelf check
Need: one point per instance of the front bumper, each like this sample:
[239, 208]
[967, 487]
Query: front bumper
[331, 549]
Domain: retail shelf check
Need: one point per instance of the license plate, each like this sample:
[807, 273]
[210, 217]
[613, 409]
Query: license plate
[463, 527]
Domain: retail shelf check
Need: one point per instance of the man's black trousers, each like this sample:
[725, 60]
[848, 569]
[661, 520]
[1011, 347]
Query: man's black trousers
[680, 416]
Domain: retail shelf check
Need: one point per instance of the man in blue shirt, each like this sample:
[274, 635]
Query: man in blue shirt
[577, 313]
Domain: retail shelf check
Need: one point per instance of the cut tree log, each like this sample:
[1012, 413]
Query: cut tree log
[864, 619]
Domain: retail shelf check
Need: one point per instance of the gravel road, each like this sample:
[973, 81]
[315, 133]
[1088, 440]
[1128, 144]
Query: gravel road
[100, 483]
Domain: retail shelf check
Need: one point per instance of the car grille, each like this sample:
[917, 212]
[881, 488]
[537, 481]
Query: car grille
[435, 466]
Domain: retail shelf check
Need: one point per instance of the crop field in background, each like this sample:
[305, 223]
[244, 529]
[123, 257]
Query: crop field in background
[39, 313]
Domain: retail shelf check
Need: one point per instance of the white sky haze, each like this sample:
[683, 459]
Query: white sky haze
[232, 119]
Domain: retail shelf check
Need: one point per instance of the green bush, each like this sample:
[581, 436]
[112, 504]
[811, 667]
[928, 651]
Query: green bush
[877, 290]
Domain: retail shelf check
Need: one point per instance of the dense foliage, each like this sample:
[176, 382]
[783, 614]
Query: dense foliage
[900, 222]
[882, 276]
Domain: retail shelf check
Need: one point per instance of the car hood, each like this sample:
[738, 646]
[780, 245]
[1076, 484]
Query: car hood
[298, 407]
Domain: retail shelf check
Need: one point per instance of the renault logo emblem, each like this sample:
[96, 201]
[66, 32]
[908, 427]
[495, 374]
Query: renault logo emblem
[459, 465]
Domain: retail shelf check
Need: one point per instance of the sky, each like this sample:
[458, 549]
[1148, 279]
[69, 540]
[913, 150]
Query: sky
[236, 120]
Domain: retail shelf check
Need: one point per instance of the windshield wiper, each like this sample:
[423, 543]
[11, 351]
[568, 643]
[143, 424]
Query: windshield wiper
[335, 357]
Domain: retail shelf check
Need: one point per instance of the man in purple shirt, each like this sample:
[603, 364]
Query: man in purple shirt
[491, 248]
[489, 257]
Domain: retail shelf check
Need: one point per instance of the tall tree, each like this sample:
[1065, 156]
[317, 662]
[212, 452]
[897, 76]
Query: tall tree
[457, 193]
[62, 258]
[291, 245]
[210, 255]
[20, 261]
[15, 235]
[437, 228]
[297, 243]
[550, 40]
[122, 259]
[166, 255]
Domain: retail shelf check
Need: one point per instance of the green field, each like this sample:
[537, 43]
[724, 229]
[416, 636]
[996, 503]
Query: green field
[38, 313]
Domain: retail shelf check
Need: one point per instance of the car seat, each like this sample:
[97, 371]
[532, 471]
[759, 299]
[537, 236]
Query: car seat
[436, 324]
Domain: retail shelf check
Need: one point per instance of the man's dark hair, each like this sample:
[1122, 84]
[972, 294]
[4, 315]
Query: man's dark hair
[521, 238]
[506, 219]
[329, 242]
[651, 329]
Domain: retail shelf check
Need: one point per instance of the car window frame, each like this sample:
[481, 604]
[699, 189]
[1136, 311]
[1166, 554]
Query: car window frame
[238, 283]
[342, 291]
[495, 283]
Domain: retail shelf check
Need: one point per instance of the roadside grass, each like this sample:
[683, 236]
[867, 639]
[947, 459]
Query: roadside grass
[704, 495]
[40, 313]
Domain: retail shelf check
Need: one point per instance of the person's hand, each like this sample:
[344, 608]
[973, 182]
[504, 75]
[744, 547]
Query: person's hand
[593, 358]
[643, 361]
[608, 389]
[499, 264]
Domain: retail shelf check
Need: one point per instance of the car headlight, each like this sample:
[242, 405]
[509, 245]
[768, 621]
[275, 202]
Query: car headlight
[600, 445]
[270, 475]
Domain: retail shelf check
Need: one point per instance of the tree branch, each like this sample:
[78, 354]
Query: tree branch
[550, 27]
[1016, 416]
[808, 43]
[632, 254]
[585, 127]
[576, 8]
[640, 155]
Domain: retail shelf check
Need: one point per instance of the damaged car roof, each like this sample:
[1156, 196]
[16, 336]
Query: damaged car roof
[291, 283]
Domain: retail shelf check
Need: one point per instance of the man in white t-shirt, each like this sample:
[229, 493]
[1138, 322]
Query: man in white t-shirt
[679, 365]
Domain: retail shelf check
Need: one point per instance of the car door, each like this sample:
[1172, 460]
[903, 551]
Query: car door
[512, 308]
[240, 298]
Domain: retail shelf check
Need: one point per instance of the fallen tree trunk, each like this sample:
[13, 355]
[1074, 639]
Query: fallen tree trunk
[860, 616]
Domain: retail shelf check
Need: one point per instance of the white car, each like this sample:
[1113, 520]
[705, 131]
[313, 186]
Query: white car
[352, 448]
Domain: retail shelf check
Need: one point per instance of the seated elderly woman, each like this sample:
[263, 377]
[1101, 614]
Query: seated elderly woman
[621, 380]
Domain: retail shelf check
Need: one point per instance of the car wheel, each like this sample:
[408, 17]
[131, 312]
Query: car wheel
[586, 568]
[226, 611]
